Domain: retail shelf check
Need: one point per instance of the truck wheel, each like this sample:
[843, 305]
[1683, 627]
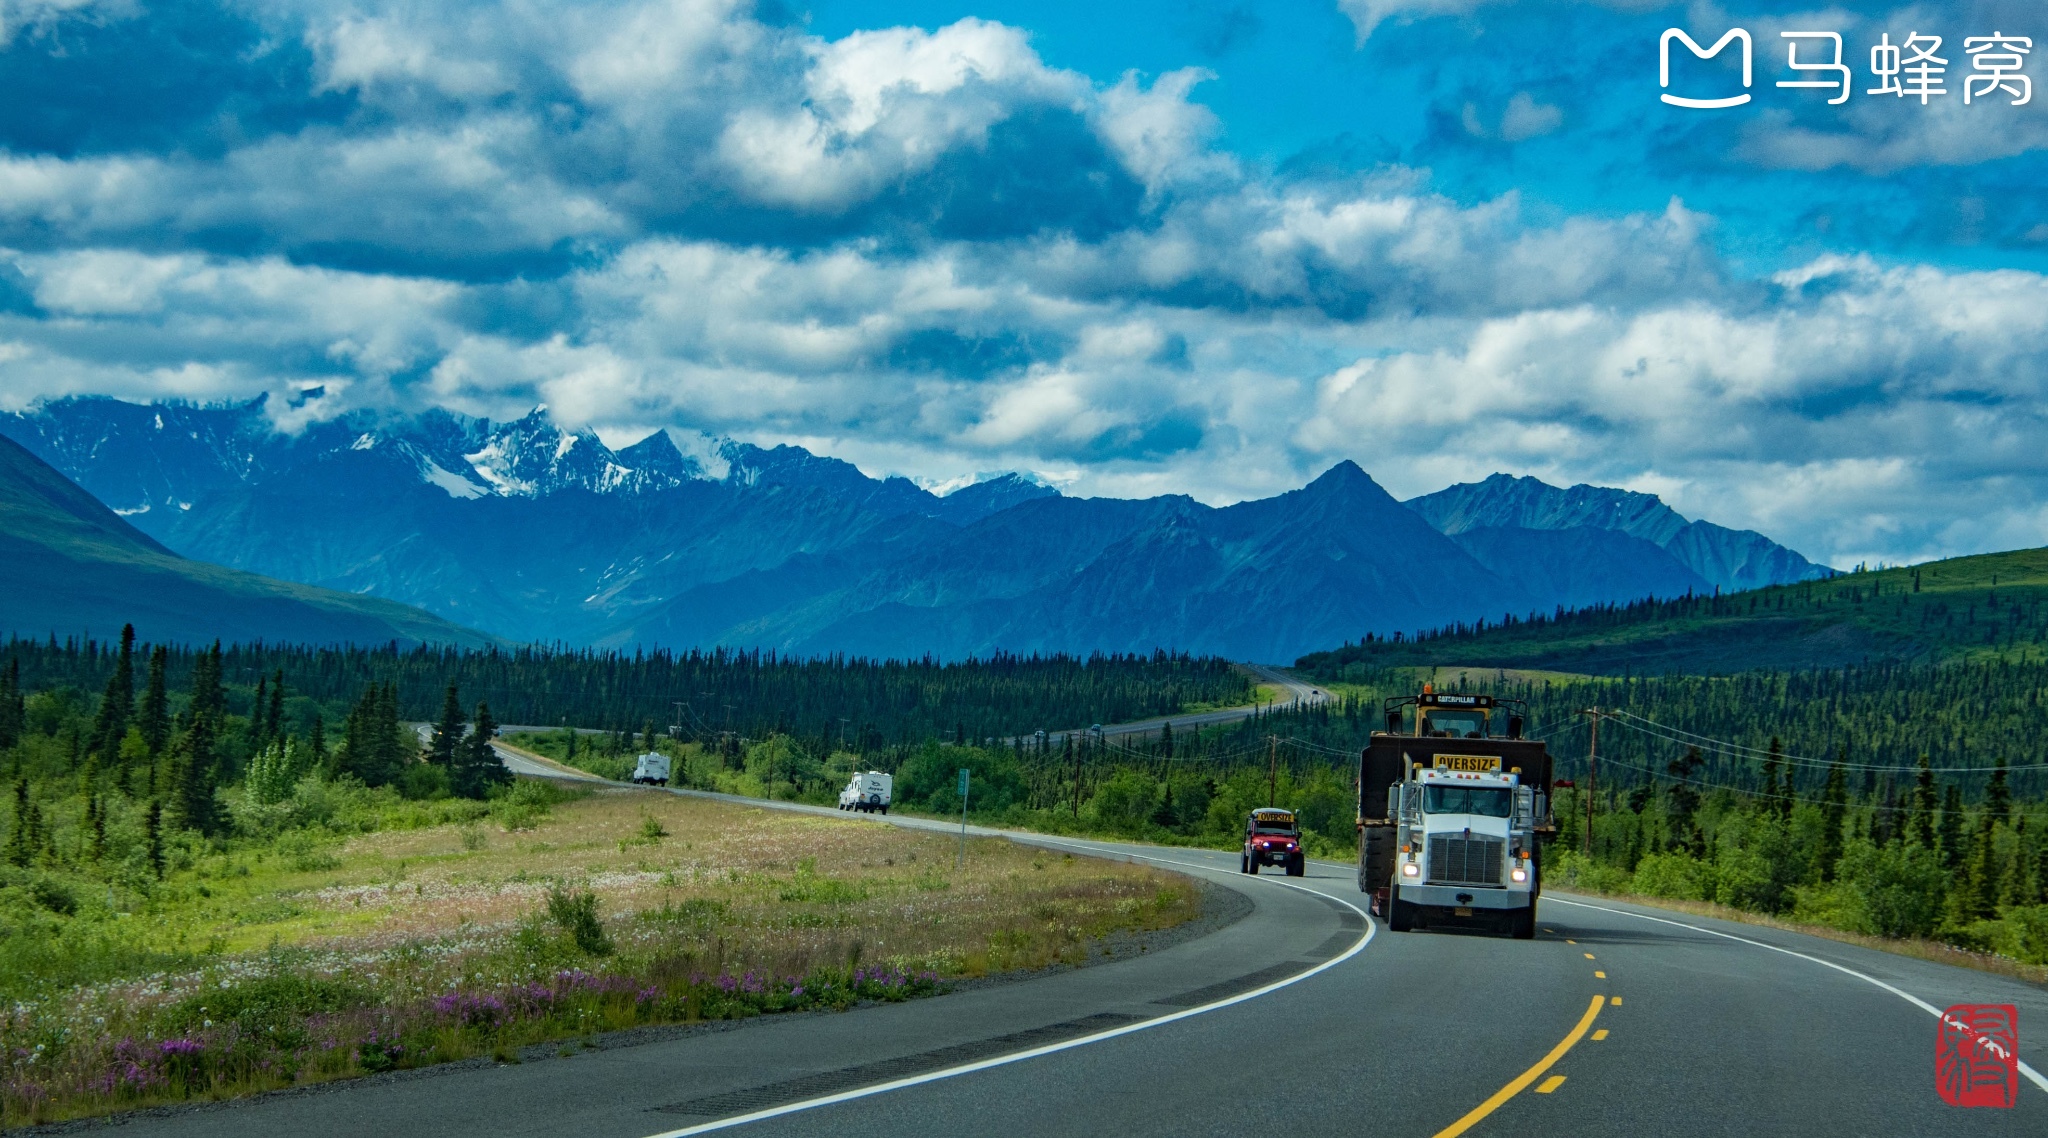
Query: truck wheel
[1251, 865]
[1298, 867]
[1400, 916]
[1375, 857]
[885, 809]
[1525, 924]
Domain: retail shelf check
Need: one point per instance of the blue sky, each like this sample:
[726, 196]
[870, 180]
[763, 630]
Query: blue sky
[1208, 248]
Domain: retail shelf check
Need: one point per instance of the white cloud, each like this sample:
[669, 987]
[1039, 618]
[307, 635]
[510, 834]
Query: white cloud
[1223, 333]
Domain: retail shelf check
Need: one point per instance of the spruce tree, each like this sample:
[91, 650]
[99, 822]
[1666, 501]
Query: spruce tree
[153, 837]
[12, 708]
[259, 732]
[1921, 824]
[1952, 828]
[195, 765]
[117, 703]
[1773, 761]
[477, 768]
[1834, 808]
[316, 743]
[154, 717]
[447, 733]
[21, 844]
[274, 721]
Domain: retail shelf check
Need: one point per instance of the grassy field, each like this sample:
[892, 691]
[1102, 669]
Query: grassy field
[322, 955]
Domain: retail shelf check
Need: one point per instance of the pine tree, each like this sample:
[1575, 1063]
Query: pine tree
[1166, 740]
[117, 703]
[155, 715]
[316, 742]
[447, 733]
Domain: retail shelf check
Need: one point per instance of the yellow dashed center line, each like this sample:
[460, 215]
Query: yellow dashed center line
[1599, 975]
[1588, 956]
[1522, 1081]
[1550, 1084]
[1616, 1001]
[1600, 1035]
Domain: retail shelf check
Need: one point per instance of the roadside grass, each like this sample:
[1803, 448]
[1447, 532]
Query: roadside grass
[1919, 948]
[268, 965]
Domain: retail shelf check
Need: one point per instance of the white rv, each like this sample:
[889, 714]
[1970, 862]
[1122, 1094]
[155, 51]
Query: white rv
[652, 770]
[868, 791]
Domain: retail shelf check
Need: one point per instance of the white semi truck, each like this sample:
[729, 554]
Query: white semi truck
[1452, 814]
[868, 792]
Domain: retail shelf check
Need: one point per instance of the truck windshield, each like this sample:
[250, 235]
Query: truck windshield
[1455, 724]
[1272, 824]
[1491, 801]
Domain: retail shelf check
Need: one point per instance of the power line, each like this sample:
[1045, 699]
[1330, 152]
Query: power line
[1741, 751]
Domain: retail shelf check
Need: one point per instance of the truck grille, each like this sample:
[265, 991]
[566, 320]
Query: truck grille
[1465, 861]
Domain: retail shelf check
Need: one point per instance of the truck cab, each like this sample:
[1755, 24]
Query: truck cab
[1451, 815]
[867, 792]
[1273, 837]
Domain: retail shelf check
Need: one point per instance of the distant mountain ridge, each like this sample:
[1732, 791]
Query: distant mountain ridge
[68, 564]
[1718, 557]
[533, 532]
[141, 458]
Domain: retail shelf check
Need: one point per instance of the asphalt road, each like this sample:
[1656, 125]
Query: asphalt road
[1304, 1017]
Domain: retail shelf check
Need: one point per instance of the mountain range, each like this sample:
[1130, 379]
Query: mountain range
[68, 564]
[531, 532]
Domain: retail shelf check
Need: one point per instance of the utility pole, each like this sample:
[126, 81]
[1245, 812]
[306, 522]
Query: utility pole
[1592, 777]
[1272, 769]
[960, 858]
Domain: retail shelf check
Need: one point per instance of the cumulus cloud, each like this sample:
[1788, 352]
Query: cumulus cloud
[930, 251]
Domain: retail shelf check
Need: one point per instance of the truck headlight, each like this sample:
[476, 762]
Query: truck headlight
[1410, 869]
[1519, 874]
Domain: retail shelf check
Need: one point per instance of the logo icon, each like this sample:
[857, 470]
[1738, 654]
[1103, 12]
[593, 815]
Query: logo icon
[1664, 67]
[1977, 1055]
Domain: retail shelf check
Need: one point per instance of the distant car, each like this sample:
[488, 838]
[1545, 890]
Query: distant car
[652, 770]
[1272, 837]
[868, 792]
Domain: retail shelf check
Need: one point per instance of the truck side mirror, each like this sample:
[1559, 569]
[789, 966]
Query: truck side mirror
[1393, 723]
[1514, 726]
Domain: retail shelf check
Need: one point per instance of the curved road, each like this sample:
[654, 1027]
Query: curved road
[1302, 1018]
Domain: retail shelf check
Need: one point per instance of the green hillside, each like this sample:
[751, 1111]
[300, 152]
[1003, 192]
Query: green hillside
[1989, 605]
[70, 565]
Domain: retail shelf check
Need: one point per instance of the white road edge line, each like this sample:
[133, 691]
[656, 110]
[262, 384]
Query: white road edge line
[1048, 1049]
[2032, 1075]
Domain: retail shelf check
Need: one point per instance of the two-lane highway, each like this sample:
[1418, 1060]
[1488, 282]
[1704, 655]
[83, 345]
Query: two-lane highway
[1302, 1016]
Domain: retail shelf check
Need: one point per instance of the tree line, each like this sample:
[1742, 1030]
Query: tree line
[870, 703]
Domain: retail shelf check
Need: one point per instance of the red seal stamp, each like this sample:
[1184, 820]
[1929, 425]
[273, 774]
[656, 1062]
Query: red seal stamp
[1977, 1055]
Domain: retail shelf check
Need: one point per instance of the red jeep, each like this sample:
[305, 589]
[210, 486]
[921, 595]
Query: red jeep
[1272, 838]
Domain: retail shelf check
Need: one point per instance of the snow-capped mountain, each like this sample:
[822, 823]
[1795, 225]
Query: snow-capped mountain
[532, 532]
